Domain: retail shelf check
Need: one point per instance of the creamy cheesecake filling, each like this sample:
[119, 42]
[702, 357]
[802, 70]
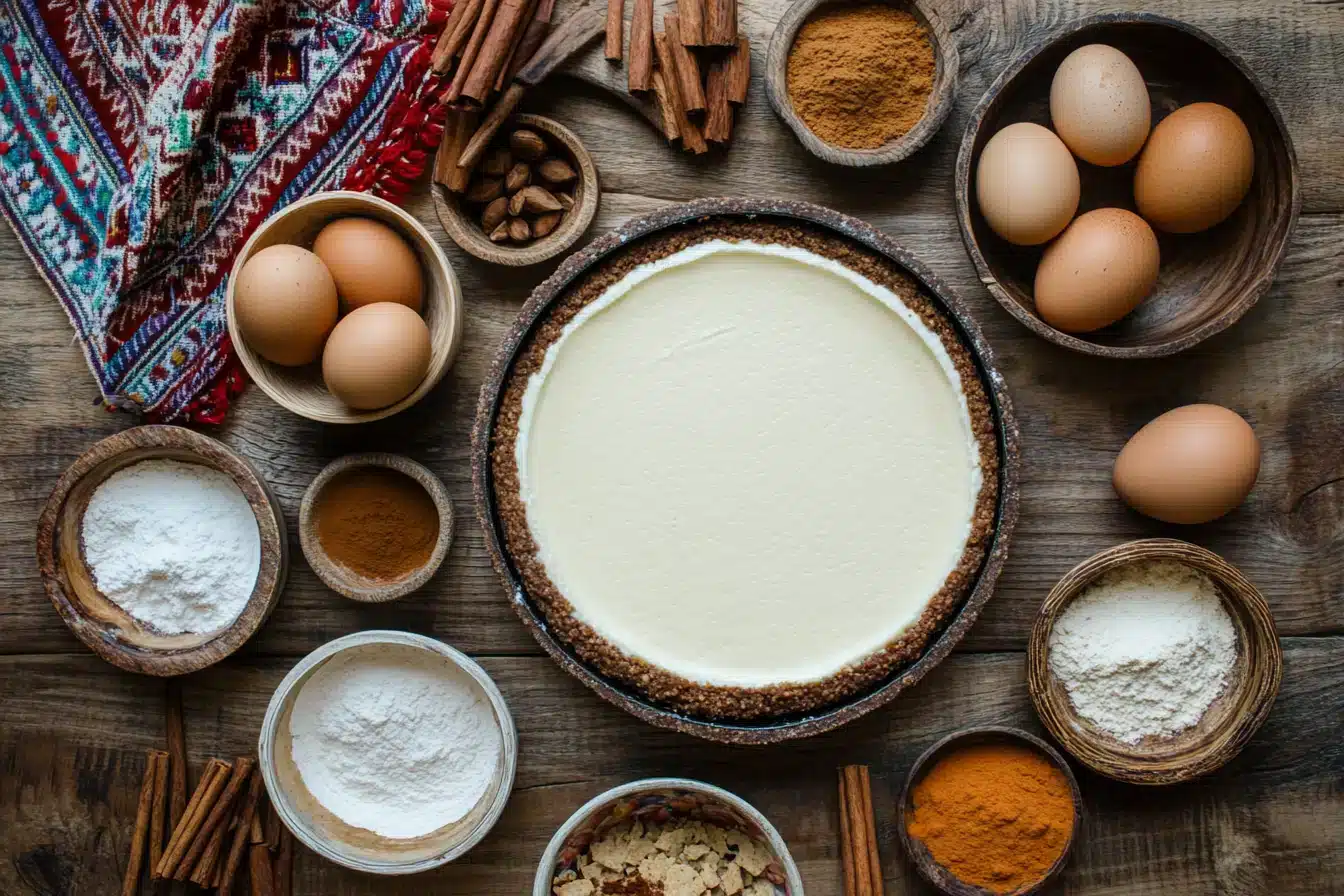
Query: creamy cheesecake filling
[747, 464]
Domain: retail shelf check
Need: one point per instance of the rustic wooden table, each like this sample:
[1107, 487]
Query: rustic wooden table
[73, 730]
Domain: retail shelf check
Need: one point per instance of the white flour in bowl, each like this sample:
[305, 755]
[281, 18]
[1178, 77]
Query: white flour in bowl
[395, 740]
[175, 545]
[1145, 649]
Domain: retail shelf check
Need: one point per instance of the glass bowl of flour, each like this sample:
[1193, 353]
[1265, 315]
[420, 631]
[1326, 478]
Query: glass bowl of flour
[388, 752]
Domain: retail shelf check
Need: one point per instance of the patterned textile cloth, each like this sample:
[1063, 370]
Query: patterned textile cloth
[142, 141]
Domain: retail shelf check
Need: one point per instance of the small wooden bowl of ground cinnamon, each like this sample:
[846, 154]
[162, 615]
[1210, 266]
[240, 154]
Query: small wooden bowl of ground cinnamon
[862, 84]
[988, 812]
[375, 527]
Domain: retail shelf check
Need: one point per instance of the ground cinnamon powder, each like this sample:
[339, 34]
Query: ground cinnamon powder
[996, 815]
[377, 522]
[860, 76]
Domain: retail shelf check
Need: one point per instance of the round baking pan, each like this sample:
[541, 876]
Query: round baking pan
[555, 287]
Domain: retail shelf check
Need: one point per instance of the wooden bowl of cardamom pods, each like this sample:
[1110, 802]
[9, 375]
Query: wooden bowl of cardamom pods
[533, 194]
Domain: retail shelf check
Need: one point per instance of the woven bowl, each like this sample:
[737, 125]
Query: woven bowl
[944, 92]
[104, 627]
[347, 582]
[1227, 725]
[1207, 280]
[466, 230]
[300, 389]
[919, 854]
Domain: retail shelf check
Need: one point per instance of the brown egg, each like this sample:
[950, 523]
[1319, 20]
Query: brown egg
[370, 262]
[1098, 270]
[284, 302]
[1190, 465]
[376, 356]
[1099, 105]
[1026, 184]
[1195, 170]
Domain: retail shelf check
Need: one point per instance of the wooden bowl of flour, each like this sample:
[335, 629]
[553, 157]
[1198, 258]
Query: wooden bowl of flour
[106, 628]
[1225, 726]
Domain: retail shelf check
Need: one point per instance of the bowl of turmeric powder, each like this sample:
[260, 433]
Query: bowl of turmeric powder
[990, 812]
[864, 83]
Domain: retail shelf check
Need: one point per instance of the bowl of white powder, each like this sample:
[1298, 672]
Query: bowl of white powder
[1154, 662]
[162, 549]
[388, 752]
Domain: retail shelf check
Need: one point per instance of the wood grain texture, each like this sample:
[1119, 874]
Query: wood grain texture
[1271, 821]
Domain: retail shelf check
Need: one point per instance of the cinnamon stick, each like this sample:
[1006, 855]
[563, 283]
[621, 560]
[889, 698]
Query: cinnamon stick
[505, 27]
[641, 47]
[533, 35]
[272, 827]
[721, 23]
[718, 110]
[615, 30]
[664, 104]
[846, 841]
[458, 129]
[284, 863]
[243, 832]
[691, 15]
[207, 791]
[472, 50]
[442, 59]
[691, 138]
[261, 875]
[219, 814]
[158, 811]
[738, 63]
[456, 37]
[140, 833]
[177, 752]
[684, 68]
[858, 831]
[511, 62]
[203, 872]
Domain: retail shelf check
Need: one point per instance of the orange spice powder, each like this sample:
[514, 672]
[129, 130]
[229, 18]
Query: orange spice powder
[860, 76]
[996, 815]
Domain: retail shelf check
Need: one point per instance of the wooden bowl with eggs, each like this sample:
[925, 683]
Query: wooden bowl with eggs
[342, 355]
[1205, 280]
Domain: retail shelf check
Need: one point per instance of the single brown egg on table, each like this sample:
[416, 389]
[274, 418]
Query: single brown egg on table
[1195, 170]
[1026, 184]
[370, 262]
[284, 301]
[376, 356]
[1099, 105]
[1190, 465]
[1100, 268]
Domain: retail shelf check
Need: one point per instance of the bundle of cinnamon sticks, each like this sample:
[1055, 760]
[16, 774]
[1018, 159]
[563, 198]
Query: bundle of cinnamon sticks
[203, 839]
[859, 859]
[483, 45]
[696, 70]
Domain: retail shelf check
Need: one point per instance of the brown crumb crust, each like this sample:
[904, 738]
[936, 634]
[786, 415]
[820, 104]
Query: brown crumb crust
[716, 701]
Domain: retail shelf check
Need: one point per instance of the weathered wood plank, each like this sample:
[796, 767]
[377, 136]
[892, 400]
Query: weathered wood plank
[71, 753]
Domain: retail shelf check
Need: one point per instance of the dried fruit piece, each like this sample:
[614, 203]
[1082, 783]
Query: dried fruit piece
[566, 200]
[538, 199]
[516, 203]
[518, 177]
[545, 224]
[494, 214]
[519, 232]
[497, 163]
[527, 144]
[557, 171]
[500, 233]
[485, 190]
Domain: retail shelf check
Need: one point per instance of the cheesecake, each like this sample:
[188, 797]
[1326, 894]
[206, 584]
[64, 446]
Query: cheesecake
[746, 469]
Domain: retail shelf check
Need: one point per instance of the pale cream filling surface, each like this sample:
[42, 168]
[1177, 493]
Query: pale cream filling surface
[747, 464]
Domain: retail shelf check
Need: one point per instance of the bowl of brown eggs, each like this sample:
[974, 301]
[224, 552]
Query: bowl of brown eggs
[344, 309]
[1127, 188]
